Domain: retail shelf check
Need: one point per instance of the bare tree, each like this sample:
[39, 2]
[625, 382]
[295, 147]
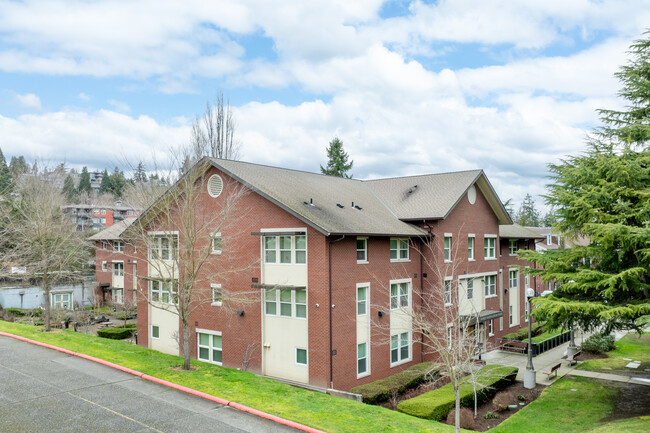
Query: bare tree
[35, 234]
[213, 133]
[179, 238]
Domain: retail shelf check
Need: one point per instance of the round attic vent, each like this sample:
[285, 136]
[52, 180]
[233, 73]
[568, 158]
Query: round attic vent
[471, 194]
[215, 186]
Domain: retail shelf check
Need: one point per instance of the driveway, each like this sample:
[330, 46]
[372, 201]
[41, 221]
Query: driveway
[42, 390]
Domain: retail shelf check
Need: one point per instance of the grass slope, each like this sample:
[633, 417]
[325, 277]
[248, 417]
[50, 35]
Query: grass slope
[632, 346]
[314, 409]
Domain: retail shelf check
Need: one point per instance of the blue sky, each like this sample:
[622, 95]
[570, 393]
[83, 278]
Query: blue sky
[410, 87]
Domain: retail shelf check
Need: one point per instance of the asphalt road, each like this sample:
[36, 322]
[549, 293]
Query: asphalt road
[42, 390]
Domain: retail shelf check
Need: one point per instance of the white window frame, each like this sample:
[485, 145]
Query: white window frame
[60, 303]
[490, 328]
[210, 347]
[270, 301]
[306, 363]
[103, 211]
[446, 247]
[104, 267]
[469, 291]
[116, 267]
[526, 310]
[450, 335]
[364, 302]
[448, 291]
[104, 245]
[526, 279]
[487, 248]
[293, 251]
[217, 295]
[365, 358]
[291, 306]
[471, 244]
[510, 318]
[512, 250]
[297, 304]
[156, 248]
[397, 299]
[152, 328]
[216, 238]
[401, 246]
[490, 293]
[118, 246]
[400, 344]
[363, 250]
[513, 282]
[160, 290]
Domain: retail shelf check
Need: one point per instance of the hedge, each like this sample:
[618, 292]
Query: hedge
[435, 405]
[382, 389]
[116, 333]
[537, 328]
[21, 312]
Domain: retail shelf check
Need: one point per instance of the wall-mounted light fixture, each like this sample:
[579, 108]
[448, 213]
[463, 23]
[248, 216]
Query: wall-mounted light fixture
[381, 314]
[240, 312]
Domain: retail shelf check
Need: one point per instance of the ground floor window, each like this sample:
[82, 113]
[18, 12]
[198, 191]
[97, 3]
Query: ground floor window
[490, 328]
[61, 300]
[209, 347]
[155, 331]
[399, 348]
[362, 358]
[301, 356]
[510, 313]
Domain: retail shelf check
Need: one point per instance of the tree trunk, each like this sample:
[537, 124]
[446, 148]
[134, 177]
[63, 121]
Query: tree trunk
[457, 417]
[186, 345]
[46, 289]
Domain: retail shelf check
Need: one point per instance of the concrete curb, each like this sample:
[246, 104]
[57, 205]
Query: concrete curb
[176, 386]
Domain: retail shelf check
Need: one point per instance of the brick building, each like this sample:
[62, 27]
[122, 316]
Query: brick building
[334, 267]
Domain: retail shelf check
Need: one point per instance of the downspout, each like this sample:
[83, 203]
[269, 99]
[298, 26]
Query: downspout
[329, 270]
[421, 301]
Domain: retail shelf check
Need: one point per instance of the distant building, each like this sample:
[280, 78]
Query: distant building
[97, 217]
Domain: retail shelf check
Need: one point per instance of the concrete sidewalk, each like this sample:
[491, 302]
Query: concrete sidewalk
[553, 357]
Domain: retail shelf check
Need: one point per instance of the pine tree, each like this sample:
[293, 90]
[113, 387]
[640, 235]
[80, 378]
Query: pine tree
[140, 174]
[337, 164]
[106, 186]
[18, 166]
[603, 194]
[118, 182]
[528, 216]
[5, 174]
[69, 191]
[84, 181]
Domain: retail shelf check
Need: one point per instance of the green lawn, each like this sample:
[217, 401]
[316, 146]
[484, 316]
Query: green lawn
[546, 335]
[632, 346]
[560, 409]
[332, 414]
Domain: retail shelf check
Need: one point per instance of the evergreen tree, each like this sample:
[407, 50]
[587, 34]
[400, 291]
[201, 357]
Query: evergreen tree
[5, 174]
[84, 181]
[603, 194]
[18, 166]
[69, 191]
[140, 174]
[337, 164]
[118, 182]
[528, 216]
[106, 186]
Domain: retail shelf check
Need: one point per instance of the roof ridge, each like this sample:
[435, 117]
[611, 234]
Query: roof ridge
[217, 160]
[422, 175]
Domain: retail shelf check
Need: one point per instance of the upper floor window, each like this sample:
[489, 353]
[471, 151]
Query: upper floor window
[118, 269]
[362, 250]
[293, 303]
[362, 300]
[489, 248]
[104, 245]
[215, 248]
[490, 285]
[163, 247]
[290, 249]
[470, 288]
[103, 211]
[118, 246]
[163, 291]
[512, 244]
[399, 295]
[104, 268]
[447, 248]
[470, 247]
[514, 279]
[399, 249]
[217, 294]
[447, 292]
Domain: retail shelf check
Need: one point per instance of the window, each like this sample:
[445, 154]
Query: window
[399, 295]
[104, 268]
[301, 356]
[163, 291]
[216, 243]
[290, 249]
[103, 211]
[155, 331]
[513, 247]
[362, 300]
[514, 279]
[526, 310]
[450, 336]
[490, 328]
[362, 359]
[447, 292]
[301, 303]
[470, 288]
[164, 247]
[490, 285]
[510, 314]
[104, 245]
[399, 249]
[285, 303]
[300, 249]
[118, 246]
[362, 250]
[217, 295]
[447, 248]
[210, 348]
[470, 247]
[399, 348]
[270, 298]
[527, 280]
[118, 269]
[61, 300]
[489, 248]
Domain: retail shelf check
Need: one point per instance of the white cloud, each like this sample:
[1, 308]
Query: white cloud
[83, 97]
[121, 107]
[29, 100]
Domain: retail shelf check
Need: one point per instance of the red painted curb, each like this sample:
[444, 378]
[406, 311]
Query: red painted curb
[173, 385]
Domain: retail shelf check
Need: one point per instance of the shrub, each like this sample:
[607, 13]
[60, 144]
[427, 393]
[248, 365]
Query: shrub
[436, 404]
[382, 389]
[599, 343]
[536, 329]
[116, 333]
[466, 418]
[502, 400]
[21, 312]
[124, 315]
[491, 415]
[521, 397]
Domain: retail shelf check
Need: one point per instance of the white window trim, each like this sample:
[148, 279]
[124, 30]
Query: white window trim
[473, 237]
[289, 232]
[212, 237]
[410, 346]
[451, 289]
[121, 246]
[490, 328]
[510, 253]
[295, 356]
[209, 332]
[367, 286]
[510, 286]
[151, 332]
[496, 281]
[447, 235]
[495, 247]
[173, 255]
[104, 267]
[410, 290]
[114, 262]
[215, 303]
[363, 262]
[408, 250]
[466, 286]
[526, 310]
[367, 372]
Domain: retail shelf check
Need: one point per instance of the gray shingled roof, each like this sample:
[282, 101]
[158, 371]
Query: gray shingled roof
[113, 232]
[290, 189]
[515, 231]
